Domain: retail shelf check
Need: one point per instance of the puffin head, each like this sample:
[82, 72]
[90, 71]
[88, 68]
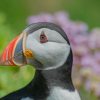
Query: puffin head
[46, 46]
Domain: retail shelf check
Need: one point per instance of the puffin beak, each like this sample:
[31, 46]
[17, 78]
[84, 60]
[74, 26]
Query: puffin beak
[15, 53]
[7, 55]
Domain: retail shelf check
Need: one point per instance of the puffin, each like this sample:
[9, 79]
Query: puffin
[46, 47]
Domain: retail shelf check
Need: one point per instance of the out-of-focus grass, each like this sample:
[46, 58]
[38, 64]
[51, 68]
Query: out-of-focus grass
[86, 95]
[6, 33]
[13, 78]
[18, 10]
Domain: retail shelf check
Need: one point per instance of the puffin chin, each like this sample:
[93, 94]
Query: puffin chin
[40, 66]
[50, 65]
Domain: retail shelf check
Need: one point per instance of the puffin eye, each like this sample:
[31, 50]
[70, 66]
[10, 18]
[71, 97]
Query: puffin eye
[43, 38]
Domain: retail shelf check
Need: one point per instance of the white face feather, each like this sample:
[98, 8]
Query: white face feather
[58, 93]
[51, 54]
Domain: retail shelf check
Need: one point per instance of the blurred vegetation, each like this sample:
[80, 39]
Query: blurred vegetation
[13, 19]
[18, 10]
[5, 32]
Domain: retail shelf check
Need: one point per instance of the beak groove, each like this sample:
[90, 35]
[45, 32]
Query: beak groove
[16, 53]
[9, 55]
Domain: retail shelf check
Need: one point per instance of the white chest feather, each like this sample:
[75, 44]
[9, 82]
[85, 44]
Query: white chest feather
[27, 98]
[61, 94]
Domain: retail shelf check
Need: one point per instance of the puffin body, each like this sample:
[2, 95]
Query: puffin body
[46, 47]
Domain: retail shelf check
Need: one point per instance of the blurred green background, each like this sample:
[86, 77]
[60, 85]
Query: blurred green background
[13, 15]
[18, 10]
